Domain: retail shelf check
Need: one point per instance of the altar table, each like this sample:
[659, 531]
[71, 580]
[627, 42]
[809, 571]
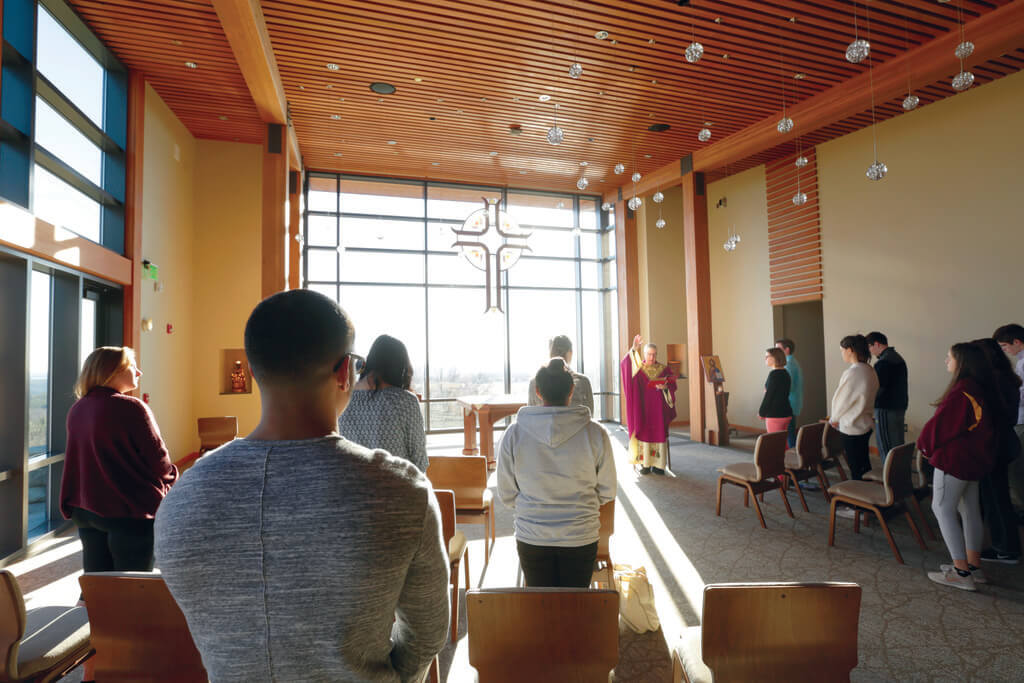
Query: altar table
[487, 410]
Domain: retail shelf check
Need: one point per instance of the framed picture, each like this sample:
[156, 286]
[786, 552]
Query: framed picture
[713, 369]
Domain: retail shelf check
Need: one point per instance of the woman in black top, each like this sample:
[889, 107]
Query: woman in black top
[775, 409]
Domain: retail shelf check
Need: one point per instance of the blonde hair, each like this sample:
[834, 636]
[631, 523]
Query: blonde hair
[101, 365]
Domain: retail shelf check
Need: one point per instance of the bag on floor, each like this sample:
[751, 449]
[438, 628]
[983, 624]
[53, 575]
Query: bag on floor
[636, 599]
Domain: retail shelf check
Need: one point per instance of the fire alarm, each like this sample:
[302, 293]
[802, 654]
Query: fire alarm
[145, 398]
[170, 328]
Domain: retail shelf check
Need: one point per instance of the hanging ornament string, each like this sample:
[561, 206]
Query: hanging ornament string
[877, 170]
[800, 198]
[858, 50]
[576, 69]
[911, 101]
[785, 124]
[963, 80]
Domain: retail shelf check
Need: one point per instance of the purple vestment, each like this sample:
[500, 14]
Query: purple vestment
[648, 410]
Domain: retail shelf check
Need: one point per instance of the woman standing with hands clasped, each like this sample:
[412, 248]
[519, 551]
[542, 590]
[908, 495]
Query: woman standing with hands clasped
[959, 442]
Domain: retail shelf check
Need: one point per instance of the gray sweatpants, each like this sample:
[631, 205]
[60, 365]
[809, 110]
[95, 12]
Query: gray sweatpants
[949, 496]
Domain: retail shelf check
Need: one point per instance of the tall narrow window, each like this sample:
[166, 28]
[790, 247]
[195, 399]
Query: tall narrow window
[39, 365]
[87, 340]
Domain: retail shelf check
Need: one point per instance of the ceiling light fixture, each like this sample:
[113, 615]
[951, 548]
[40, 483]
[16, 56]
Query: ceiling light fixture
[601, 35]
[222, 117]
[336, 117]
[555, 134]
[191, 65]
[800, 76]
[331, 66]
[544, 98]
[382, 88]
[392, 142]
[337, 154]
[492, 154]
[418, 79]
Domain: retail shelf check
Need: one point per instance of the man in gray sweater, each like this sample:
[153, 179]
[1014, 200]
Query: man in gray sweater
[294, 553]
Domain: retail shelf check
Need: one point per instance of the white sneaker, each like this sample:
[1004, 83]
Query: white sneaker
[845, 512]
[976, 573]
[949, 577]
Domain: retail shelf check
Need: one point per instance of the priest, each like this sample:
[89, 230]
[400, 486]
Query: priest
[649, 389]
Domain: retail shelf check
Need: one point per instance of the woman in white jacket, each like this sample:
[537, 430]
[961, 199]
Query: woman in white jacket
[853, 404]
[555, 470]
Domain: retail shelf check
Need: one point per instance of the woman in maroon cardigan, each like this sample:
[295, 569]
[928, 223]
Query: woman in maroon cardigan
[116, 468]
[959, 443]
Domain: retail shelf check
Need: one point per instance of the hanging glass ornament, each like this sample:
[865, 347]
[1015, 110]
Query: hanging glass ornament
[910, 102]
[582, 183]
[801, 161]
[619, 169]
[658, 197]
[607, 206]
[962, 81]
[736, 239]
[636, 176]
[785, 124]
[704, 135]
[660, 223]
[800, 198]
[964, 49]
[877, 171]
[555, 135]
[576, 70]
[858, 51]
[635, 203]
[694, 52]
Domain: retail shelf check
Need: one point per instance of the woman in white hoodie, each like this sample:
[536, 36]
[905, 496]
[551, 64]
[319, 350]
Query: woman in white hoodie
[555, 470]
[853, 404]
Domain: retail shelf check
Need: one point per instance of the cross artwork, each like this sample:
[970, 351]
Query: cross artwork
[486, 233]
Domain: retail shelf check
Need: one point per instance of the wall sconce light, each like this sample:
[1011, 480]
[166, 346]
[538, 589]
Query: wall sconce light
[147, 324]
[721, 203]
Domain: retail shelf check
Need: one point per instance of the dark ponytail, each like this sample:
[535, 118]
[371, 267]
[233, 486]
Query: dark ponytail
[554, 382]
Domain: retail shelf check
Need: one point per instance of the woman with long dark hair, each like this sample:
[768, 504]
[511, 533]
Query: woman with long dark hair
[116, 467]
[383, 413]
[958, 442]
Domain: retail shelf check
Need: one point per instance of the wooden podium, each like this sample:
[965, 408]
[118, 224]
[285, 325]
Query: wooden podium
[716, 402]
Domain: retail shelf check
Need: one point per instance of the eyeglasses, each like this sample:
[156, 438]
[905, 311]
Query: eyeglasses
[358, 362]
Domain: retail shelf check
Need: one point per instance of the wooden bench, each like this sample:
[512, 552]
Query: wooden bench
[784, 632]
[138, 631]
[466, 476]
[543, 635]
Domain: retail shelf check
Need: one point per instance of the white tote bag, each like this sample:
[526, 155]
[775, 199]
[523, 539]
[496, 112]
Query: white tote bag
[636, 599]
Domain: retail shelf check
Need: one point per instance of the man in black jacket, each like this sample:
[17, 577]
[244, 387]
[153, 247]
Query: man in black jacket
[892, 397]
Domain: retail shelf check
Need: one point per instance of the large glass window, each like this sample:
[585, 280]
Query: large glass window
[39, 365]
[383, 248]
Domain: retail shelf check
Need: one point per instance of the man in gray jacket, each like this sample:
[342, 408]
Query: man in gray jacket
[294, 553]
[582, 394]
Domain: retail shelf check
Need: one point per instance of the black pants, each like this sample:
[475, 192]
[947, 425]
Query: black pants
[995, 505]
[112, 544]
[556, 566]
[857, 448]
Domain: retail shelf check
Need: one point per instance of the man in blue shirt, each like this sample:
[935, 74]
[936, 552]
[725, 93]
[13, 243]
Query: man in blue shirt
[796, 385]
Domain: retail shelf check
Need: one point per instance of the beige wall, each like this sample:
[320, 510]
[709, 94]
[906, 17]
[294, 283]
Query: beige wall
[167, 219]
[226, 257]
[741, 313]
[663, 281]
[931, 254]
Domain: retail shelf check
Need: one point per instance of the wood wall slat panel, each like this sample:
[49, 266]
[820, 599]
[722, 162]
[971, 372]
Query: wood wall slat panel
[794, 232]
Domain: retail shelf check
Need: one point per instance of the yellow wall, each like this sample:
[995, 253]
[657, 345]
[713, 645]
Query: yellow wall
[226, 257]
[930, 255]
[741, 313]
[167, 219]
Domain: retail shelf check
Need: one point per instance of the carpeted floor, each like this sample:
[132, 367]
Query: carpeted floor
[910, 628]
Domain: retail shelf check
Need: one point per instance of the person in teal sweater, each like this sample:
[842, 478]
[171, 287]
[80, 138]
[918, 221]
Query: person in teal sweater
[796, 385]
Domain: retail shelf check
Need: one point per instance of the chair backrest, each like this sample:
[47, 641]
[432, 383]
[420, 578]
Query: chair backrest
[607, 512]
[770, 455]
[543, 634]
[896, 476]
[12, 623]
[465, 475]
[808, 444]
[216, 431]
[831, 443]
[780, 631]
[138, 631]
[446, 501]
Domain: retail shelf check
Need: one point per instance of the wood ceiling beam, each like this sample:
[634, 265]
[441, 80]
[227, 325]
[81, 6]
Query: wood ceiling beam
[246, 31]
[993, 34]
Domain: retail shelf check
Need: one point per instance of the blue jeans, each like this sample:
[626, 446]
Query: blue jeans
[791, 433]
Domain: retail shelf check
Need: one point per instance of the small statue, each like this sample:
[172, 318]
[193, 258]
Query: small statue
[238, 379]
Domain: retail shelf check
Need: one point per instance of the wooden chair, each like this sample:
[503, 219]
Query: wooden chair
[455, 541]
[543, 635]
[767, 472]
[216, 431]
[921, 491]
[603, 576]
[138, 631]
[885, 501]
[804, 461]
[466, 476]
[831, 450]
[41, 644]
[785, 632]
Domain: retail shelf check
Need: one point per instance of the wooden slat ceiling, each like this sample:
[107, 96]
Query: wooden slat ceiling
[467, 71]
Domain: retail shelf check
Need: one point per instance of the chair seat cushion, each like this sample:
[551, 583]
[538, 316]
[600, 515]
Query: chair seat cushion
[52, 635]
[866, 491]
[873, 475]
[745, 471]
[689, 654]
[456, 546]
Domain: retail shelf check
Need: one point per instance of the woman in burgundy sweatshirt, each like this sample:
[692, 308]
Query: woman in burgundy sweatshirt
[959, 443]
[116, 468]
